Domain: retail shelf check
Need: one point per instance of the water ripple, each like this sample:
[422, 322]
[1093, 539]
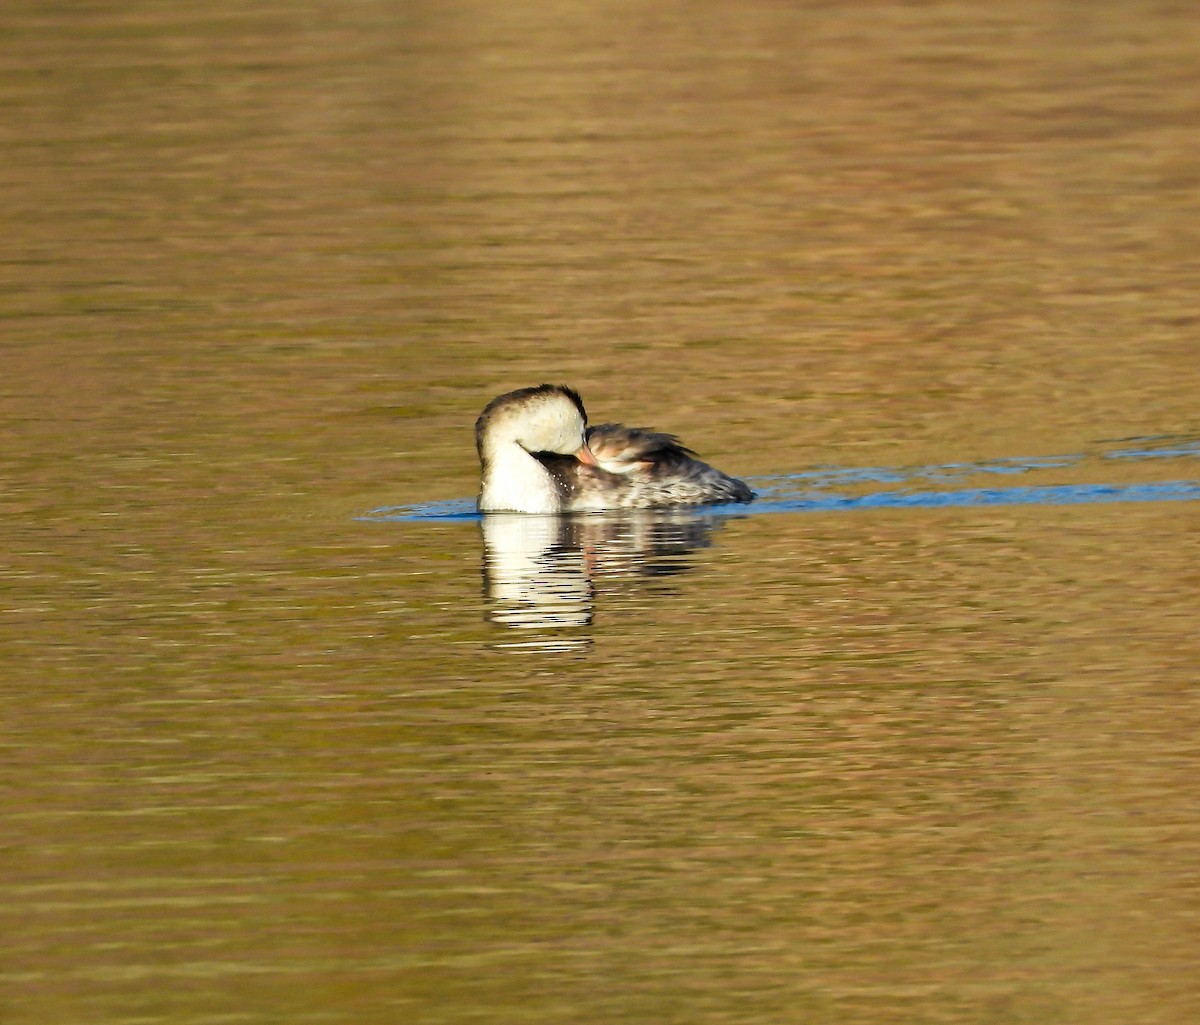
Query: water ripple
[812, 490]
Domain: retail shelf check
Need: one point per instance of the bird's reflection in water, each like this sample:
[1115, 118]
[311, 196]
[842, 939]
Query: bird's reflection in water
[542, 574]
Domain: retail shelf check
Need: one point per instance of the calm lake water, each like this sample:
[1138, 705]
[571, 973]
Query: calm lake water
[289, 735]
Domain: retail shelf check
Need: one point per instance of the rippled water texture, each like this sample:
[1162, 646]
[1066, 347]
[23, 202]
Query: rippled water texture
[290, 735]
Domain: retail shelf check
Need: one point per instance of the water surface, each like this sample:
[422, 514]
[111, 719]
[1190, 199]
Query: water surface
[290, 735]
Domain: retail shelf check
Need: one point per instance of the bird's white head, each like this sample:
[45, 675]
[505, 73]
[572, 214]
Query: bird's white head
[548, 418]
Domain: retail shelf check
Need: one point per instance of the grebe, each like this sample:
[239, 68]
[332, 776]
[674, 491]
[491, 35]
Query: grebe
[539, 456]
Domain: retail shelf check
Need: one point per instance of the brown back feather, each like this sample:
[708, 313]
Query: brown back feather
[634, 444]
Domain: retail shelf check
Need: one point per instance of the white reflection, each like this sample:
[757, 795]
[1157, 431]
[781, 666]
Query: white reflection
[532, 574]
[540, 573]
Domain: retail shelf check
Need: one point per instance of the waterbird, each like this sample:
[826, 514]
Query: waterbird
[538, 455]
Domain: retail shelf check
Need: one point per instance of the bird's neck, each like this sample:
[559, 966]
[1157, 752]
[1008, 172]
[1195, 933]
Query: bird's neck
[513, 481]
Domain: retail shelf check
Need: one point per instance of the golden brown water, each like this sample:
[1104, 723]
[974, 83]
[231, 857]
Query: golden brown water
[267, 761]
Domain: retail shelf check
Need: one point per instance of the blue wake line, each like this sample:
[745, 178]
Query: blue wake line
[806, 491]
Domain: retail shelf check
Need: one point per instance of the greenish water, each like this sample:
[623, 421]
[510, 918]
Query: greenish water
[267, 757]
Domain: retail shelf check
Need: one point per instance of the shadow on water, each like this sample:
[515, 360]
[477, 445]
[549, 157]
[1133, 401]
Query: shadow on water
[540, 573]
